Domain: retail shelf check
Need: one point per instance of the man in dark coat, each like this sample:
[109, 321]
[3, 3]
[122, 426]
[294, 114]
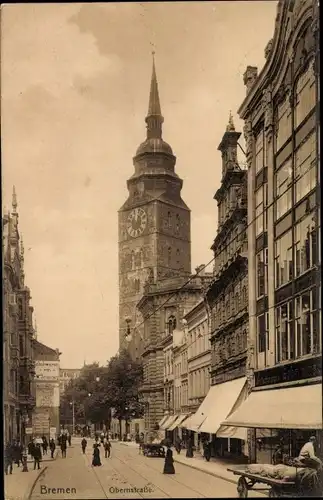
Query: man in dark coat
[37, 456]
[189, 451]
[8, 458]
[52, 447]
[178, 445]
[18, 451]
[84, 445]
[107, 448]
[63, 445]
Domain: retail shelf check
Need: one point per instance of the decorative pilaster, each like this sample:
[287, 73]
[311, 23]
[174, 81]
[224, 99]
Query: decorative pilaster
[268, 108]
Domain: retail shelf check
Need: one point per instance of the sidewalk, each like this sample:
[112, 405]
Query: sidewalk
[45, 458]
[19, 485]
[216, 468]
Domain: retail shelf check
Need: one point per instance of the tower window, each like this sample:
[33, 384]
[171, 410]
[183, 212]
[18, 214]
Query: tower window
[169, 256]
[137, 285]
[177, 227]
[132, 260]
[169, 219]
[178, 256]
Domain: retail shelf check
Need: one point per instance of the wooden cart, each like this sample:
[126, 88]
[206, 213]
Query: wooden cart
[153, 450]
[277, 487]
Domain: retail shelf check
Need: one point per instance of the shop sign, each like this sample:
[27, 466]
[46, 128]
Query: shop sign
[293, 372]
[29, 430]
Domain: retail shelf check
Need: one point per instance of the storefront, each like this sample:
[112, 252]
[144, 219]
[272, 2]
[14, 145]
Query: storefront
[284, 417]
[221, 400]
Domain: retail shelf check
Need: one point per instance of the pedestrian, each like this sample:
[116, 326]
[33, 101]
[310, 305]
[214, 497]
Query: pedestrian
[44, 445]
[18, 452]
[31, 447]
[69, 438]
[84, 445]
[96, 461]
[37, 456]
[207, 451]
[102, 437]
[107, 449]
[52, 447]
[189, 451]
[178, 445]
[169, 461]
[8, 458]
[63, 445]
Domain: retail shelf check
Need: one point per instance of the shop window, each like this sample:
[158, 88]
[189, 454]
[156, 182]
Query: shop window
[305, 95]
[285, 332]
[262, 272]
[283, 188]
[305, 167]
[305, 245]
[284, 259]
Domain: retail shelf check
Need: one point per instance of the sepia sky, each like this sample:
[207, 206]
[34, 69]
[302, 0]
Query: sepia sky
[75, 83]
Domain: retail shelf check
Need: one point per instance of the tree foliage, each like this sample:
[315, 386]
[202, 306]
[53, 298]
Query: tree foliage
[98, 390]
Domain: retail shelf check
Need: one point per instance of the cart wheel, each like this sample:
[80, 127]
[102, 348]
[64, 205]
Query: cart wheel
[242, 488]
[274, 493]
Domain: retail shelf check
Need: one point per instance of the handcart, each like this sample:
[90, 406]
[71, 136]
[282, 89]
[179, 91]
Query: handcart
[153, 450]
[277, 487]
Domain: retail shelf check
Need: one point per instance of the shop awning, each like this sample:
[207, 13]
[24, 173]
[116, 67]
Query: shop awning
[223, 398]
[166, 422]
[193, 422]
[171, 419]
[284, 408]
[232, 432]
[177, 422]
[163, 420]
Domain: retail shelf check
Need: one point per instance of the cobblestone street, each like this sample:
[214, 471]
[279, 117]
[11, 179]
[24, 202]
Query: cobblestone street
[126, 474]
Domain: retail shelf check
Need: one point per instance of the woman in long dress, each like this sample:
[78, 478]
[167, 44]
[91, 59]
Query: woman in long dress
[96, 462]
[169, 462]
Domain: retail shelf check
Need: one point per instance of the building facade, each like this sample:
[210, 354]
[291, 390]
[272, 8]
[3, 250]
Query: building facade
[282, 146]
[18, 366]
[154, 225]
[227, 297]
[66, 375]
[46, 420]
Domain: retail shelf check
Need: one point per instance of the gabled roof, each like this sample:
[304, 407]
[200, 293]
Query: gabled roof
[41, 348]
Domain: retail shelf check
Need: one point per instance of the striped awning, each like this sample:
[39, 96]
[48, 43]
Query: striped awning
[171, 419]
[177, 422]
[163, 420]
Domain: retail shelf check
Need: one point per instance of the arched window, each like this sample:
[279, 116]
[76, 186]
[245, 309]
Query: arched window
[171, 324]
[137, 285]
[141, 258]
[169, 256]
[133, 262]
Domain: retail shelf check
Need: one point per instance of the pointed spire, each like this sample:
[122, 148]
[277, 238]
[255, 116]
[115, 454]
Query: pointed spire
[154, 118]
[14, 200]
[230, 126]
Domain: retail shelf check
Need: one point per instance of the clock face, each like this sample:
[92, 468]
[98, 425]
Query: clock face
[136, 222]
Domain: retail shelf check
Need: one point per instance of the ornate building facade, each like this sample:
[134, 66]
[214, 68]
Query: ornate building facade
[281, 113]
[18, 366]
[154, 225]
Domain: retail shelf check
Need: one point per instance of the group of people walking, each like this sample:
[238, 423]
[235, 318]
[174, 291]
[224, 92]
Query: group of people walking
[13, 455]
[103, 441]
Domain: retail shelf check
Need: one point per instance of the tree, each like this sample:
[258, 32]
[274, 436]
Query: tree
[99, 389]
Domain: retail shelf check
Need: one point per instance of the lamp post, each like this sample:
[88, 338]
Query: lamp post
[73, 416]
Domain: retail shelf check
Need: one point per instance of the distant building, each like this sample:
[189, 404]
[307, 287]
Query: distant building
[46, 413]
[66, 375]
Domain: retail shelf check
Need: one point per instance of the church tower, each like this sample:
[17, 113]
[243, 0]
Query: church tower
[154, 224]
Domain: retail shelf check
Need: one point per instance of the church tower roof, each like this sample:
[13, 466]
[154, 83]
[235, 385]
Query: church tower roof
[154, 120]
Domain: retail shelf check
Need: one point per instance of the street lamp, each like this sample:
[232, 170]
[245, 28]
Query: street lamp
[73, 417]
